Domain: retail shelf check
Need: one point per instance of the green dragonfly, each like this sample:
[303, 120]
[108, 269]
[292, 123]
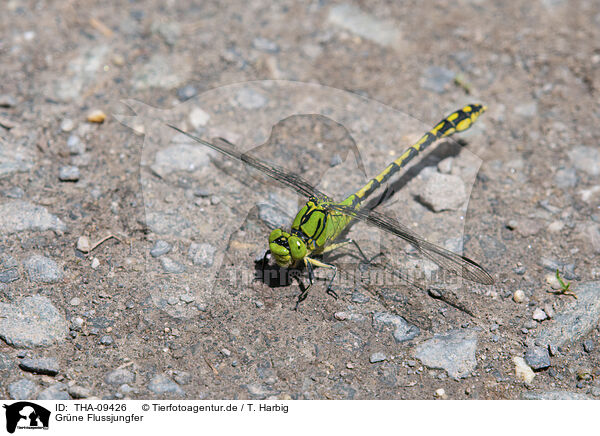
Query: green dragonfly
[317, 226]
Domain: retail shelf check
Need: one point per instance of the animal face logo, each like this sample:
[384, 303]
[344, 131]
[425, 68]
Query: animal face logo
[26, 415]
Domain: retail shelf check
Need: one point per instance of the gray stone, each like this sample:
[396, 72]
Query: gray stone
[566, 178]
[9, 275]
[75, 146]
[180, 157]
[525, 227]
[537, 358]
[57, 391]
[202, 254]
[359, 298]
[266, 45]
[453, 352]
[32, 322]
[377, 357]
[40, 365]
[7, 101]
[69, 173]
[171, 266]
[78, 392]
[22, 389]
[14, 159]
[106, 340]
[160, 247]
[575, 321]
[588, 346]
[186, 92]
[250, 98]
[437, 79]
[17, 216]
[539, 314]
[443, 192]
[586, 159]
[349, 17]
[119, 376]
[160, 384]
[554, 395]
[42, 269]
[403, 330]
[349, 316]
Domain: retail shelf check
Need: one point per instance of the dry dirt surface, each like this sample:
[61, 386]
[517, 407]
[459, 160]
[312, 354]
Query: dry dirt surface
[168, 306]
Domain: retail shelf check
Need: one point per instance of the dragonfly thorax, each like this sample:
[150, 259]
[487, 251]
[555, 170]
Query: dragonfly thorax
[287, 249]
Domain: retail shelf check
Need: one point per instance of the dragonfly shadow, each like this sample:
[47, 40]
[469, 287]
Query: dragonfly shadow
[275, 276]
[447, 148]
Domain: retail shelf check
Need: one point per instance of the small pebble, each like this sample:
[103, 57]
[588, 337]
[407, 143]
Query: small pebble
[519, 296]
[96, 116]
[119, 376]
[75, 301]
[588, 346]
[225, 352]
[106, 340]
[78, 392]
[67, 125]
[75, 146]
[160, 384]
[539, 314]
[198, 118]
[83, 244]
[186, 92]
[171, 266]
[68, 174]
[40, 365]
[359, 298]
[7, 101]
[95, 263]
[441, 393]
[160, 247]
[377, 357]
[522, 371]
[537, 358]
[187, 298]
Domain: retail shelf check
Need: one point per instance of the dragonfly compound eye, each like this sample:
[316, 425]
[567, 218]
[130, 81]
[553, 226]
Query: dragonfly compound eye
[297, 247]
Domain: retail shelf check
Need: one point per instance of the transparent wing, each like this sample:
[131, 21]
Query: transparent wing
[281, 175]
[446, 259]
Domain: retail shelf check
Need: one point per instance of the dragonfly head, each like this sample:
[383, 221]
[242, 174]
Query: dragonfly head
[286, 249]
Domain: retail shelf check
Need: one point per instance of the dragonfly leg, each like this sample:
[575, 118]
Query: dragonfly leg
[316, 262]
[350, 241]
[304, 293]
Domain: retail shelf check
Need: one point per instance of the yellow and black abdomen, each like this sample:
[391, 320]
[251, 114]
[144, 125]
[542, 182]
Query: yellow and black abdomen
[457, 121]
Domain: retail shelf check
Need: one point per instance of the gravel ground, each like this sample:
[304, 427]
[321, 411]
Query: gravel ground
[113, 228]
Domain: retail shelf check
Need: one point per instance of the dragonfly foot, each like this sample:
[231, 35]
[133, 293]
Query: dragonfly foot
[332, 293]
